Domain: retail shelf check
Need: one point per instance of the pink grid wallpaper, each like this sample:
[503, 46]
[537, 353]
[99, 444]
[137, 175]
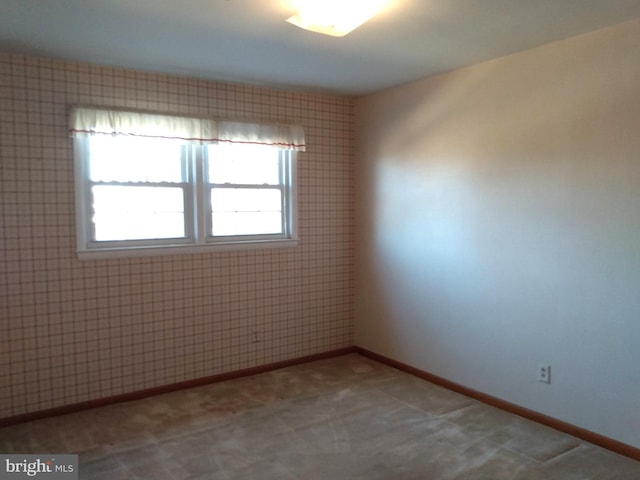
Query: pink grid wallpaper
[72, 331]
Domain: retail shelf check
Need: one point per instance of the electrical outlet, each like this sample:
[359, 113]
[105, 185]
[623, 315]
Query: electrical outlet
[544, 373]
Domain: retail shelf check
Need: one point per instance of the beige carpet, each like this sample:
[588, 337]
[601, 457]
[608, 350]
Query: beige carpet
[343, 418]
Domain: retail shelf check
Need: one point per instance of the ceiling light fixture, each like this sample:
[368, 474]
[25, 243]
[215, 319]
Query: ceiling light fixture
[334, 17]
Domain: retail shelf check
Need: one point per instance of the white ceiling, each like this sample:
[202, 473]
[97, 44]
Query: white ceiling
[248, 41]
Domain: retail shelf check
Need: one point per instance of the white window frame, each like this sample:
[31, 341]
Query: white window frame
[197, 211]
[286, 184]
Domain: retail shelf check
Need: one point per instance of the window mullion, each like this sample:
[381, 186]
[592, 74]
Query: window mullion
[188, 176]
[283, 200]
[292, 194]
[200, 192]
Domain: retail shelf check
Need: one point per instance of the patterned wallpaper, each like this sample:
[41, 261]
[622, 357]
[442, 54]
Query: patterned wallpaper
[72, 331]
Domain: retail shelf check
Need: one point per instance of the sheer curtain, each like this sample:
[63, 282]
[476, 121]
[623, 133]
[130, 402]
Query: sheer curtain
[96, 120]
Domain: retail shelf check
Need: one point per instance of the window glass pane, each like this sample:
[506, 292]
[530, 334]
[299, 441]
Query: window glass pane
[246, 211]
[246, 223]
[244, 164]
[130, 213]
[246, 200]
[132, 159]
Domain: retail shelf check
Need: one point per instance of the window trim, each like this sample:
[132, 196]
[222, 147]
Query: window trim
[196, 224]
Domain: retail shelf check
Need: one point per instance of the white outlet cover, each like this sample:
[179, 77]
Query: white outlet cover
[544, 373]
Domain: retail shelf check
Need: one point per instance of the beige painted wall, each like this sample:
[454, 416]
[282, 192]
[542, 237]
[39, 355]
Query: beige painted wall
[498, 225]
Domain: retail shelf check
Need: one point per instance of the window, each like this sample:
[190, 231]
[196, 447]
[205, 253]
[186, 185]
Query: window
[169, 187]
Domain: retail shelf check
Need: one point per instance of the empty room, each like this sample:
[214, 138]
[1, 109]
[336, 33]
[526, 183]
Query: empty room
[247, 239]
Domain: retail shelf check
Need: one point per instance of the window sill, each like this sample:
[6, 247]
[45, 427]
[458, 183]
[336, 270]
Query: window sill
[104, 253]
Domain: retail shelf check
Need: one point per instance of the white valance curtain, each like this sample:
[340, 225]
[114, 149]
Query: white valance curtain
[90, 121]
